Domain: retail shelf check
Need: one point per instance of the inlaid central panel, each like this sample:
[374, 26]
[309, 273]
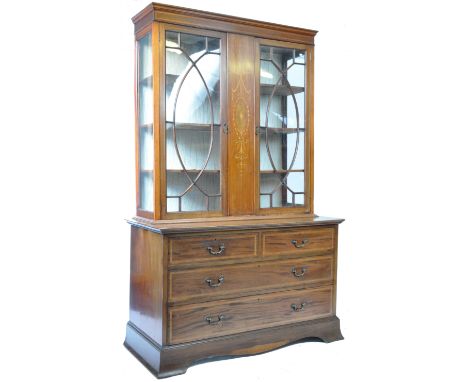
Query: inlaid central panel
[241, 77]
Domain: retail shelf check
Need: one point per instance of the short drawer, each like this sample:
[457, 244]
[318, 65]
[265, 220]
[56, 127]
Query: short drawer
[206, 248]
[195, 322]
[231, 280]
[298, 241]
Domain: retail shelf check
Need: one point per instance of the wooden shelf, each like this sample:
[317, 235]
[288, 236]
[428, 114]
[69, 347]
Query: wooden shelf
[193, 126]
[280, 130]
[281, 90]
[278, 171]
[180, 171]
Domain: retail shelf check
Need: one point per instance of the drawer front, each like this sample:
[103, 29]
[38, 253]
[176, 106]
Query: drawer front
[230, 280]
[195, 322]
[298, 241]
[208, 248]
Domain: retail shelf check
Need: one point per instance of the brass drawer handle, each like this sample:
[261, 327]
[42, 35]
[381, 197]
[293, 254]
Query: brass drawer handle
[212, 321]
[301, 244]
[297, 308]
[294, 272]
[218, 252]
[212, 285]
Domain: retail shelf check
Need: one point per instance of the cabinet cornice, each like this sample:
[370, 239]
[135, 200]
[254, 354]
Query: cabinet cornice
[232, 24]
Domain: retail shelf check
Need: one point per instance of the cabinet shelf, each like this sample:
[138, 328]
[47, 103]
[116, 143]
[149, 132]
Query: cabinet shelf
[279, 130]
[193, 126]
[193, 170]
[281, 90]
[279, 171]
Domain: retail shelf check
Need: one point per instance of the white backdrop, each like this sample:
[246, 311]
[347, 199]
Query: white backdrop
[391, 158]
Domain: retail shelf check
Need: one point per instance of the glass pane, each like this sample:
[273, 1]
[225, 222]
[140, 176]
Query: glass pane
[282, 190]
[299, 57]
[194, 199]
[282, 127]
[282, 150]
[172, 40]
[193, 144]
[146, 190]
[296, 75]
[213, 45]
[269, 73]
[193, 45]
[145, 122]
[265, 52]
[145, 58]
[146, 149]
[193, 113]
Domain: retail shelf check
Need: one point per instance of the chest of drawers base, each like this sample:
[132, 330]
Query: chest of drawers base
[246, 287]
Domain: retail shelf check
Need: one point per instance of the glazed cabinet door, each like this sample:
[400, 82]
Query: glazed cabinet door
[284, 127]
[193, 125]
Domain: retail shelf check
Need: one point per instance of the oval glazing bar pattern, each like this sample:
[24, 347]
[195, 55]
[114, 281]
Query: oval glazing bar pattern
[282, 129]
[192, 122]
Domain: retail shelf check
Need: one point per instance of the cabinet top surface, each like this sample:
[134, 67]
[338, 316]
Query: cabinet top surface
[231, 223]
[180, 15]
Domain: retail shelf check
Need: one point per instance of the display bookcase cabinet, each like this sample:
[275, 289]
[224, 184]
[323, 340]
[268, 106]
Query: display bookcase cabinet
[227, 256]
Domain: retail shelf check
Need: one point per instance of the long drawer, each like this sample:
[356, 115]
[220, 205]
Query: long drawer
[298, 241]
[195, 322]
[209, 248]
[230, 280]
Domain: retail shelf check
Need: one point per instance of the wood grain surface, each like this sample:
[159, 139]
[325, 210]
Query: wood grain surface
[225, 223]
[307, 241]
[169, 360]
[189, 322]
[147, 294]
[216, 21]
[247, 279]
[241, 89]
[198, 249]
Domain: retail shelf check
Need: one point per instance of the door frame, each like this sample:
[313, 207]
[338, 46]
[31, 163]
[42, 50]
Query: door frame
[163, 27]
[308, 124]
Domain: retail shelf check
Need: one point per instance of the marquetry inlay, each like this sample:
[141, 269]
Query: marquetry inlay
[241, 122]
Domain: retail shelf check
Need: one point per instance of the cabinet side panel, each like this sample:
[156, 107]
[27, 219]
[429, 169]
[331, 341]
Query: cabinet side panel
[146, 283]
[335, 270]
[241, 88]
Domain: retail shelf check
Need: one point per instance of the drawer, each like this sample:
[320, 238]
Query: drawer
[298, 241]
[207, 248]
[232, 280]
[195, 322]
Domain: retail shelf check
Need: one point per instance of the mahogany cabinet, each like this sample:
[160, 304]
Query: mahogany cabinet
[227, 255]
